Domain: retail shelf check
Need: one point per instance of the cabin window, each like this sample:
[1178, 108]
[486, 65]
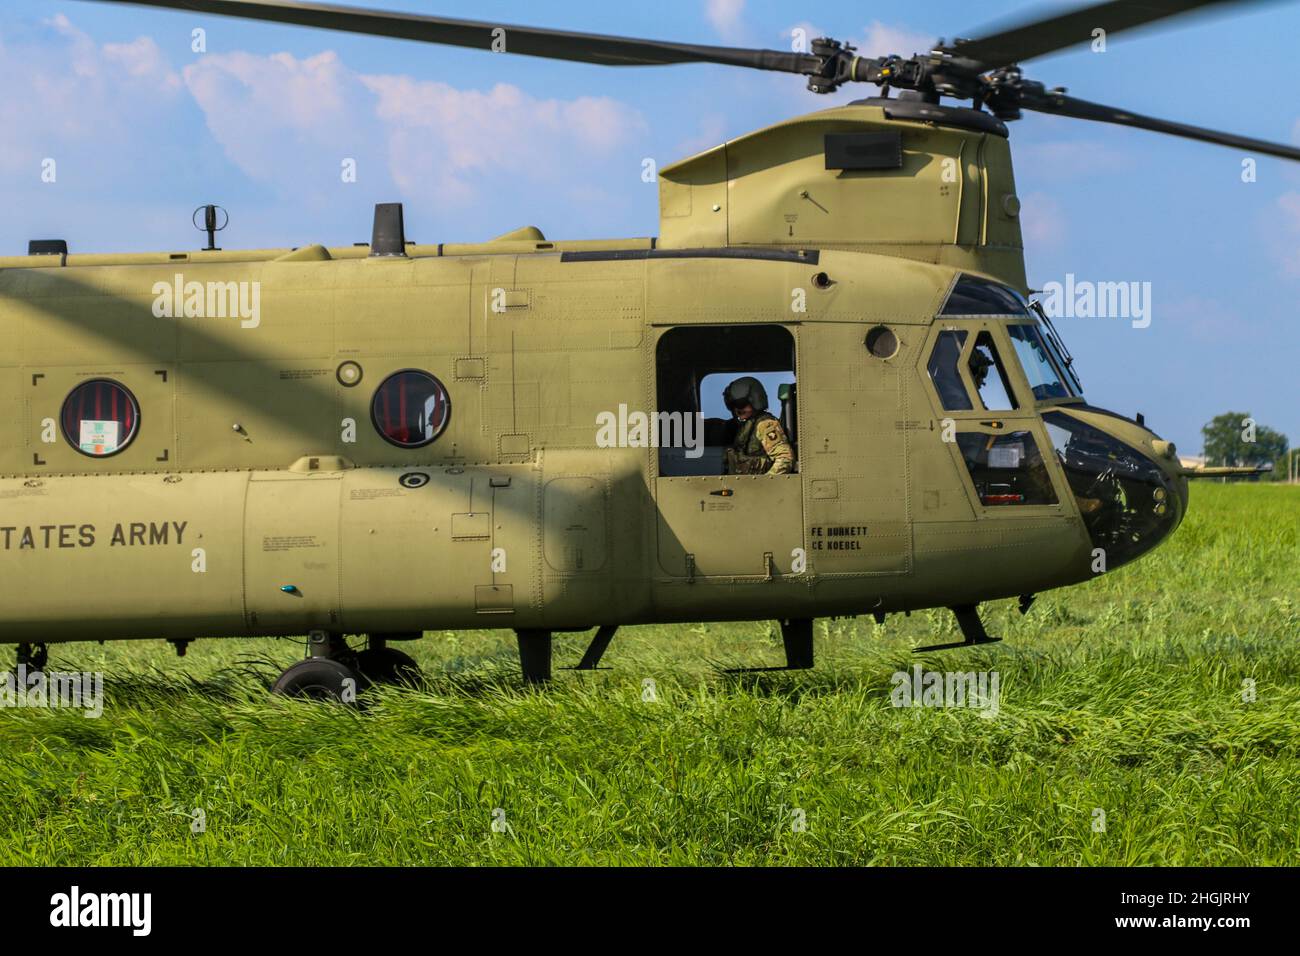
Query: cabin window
[1006, 469]
[100, 418]
[410, 408]
[944, 374]
[972, 296]
[693, 425]
[990, 376]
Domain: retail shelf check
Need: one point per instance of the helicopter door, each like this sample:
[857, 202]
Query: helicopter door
[713, 523]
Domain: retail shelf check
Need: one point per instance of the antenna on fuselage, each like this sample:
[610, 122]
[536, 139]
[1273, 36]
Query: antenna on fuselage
[210, 224]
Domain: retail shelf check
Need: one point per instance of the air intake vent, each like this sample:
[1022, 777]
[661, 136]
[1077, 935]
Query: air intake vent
[857, 151]
[389, 236]
[47, 247]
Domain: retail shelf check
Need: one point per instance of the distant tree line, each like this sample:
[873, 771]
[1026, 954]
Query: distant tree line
[1235, 438]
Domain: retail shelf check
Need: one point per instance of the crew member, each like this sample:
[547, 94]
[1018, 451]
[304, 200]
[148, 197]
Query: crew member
[760, 446]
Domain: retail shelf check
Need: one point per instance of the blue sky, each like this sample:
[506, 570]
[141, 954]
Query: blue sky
[143, 129]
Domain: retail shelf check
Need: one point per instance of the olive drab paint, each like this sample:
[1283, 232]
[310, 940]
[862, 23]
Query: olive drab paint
[256, 494]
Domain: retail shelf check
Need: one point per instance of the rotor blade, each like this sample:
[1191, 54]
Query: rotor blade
[1062, 105]
[1016, 44]
[498, 37]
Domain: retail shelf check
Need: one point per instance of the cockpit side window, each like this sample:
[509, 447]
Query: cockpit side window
[990, 377]
[944, 374]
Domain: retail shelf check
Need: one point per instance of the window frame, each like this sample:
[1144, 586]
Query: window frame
[791, 329]
[1066, 376]
[1005, 376]
[973, 326]
[1033, 424]
[1026, 417]
[928, 355]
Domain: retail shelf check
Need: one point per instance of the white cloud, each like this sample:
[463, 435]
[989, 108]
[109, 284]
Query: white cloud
[139, 140]
[501, 130]
[1042, 220]
[68, 93]
[1070, 158]
[712, 132]
[725, 16]
[1289, 204]
[1208, 319]
[142, 60]
[277, 116]
[882, 39]
[284, 120]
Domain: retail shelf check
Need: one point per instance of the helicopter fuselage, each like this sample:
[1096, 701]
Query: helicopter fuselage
[274, 478]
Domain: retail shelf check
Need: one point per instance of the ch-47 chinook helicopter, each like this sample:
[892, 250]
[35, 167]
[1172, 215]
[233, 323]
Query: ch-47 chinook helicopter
[526, 433]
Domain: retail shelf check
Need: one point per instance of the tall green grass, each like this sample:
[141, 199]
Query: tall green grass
[1124, 695]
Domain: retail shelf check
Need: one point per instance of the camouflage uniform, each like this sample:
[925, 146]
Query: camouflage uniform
[760, 448]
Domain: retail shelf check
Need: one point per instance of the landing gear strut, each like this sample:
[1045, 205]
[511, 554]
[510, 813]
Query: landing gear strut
[596, 649]
[797, 635]
[972, 629]
[534, 654]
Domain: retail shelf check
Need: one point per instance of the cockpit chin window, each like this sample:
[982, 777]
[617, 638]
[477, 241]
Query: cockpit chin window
[1127, 502]
[1006, 469]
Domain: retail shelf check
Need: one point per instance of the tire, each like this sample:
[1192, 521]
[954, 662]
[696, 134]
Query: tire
[319, 678]
[386, 665]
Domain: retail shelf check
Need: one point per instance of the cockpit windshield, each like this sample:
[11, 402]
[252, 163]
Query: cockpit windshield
[1047, 362]
[1041, 367]
[1060, 354]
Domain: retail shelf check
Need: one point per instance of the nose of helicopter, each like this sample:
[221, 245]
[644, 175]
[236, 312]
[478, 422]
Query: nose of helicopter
[1127, 480]
[1165, 455]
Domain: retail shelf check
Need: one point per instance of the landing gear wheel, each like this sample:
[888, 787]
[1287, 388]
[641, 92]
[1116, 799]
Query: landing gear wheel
[386, 665]
[319, 678]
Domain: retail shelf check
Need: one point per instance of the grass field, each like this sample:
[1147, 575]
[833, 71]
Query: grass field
[1123, 695]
